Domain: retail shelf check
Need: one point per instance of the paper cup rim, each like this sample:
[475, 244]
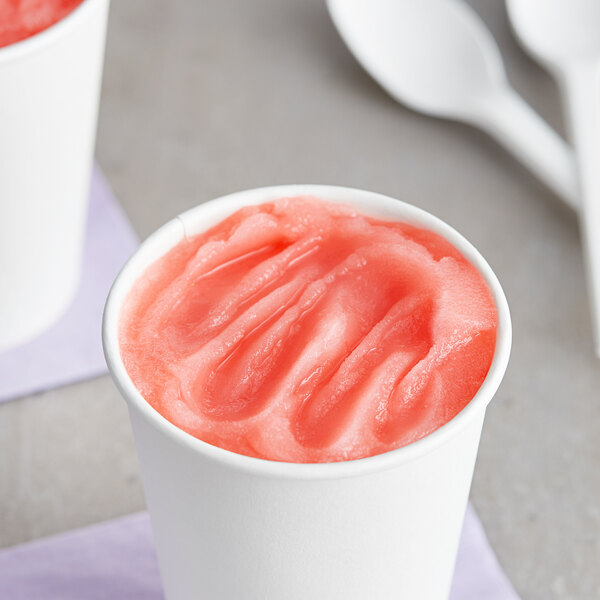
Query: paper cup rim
[38, 41]
[194, 221]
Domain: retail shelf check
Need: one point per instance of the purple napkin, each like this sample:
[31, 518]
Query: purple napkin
[478, 575]
[116, 560]
[72, 350]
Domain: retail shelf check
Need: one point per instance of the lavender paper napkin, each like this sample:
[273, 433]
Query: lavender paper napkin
[72, 350]
[116, 560]
[478, 575]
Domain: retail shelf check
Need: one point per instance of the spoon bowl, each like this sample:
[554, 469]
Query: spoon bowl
[457, 60]
[559, 33]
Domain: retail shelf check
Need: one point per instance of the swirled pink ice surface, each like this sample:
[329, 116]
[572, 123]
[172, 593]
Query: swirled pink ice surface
[20, 19]
[304, 331]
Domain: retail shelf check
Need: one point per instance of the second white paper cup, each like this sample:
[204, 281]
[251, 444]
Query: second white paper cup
[228, 526]
[49, 91]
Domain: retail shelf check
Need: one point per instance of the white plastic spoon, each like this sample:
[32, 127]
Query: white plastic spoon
[564, 35]
[437, 57]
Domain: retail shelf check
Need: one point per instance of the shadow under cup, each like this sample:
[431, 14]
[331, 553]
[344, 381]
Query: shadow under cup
[228, 526]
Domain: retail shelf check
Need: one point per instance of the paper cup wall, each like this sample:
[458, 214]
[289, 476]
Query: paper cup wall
[49, 91]
[228, 526]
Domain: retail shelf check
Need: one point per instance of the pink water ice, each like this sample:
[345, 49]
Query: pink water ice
[20, 19]
[303, 331]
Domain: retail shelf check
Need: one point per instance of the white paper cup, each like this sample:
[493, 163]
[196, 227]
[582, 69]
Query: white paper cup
[49, 91]
[228, 526]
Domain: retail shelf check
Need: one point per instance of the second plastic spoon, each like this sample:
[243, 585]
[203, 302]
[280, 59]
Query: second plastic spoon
[564, 35]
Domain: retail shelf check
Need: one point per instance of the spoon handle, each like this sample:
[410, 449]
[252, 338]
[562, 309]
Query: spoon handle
[581, 91]
[520, 129]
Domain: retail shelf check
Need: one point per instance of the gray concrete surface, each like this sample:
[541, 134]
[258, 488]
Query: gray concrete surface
[204, 98]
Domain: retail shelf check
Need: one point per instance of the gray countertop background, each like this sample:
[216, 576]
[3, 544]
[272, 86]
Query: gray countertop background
[201, 98]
